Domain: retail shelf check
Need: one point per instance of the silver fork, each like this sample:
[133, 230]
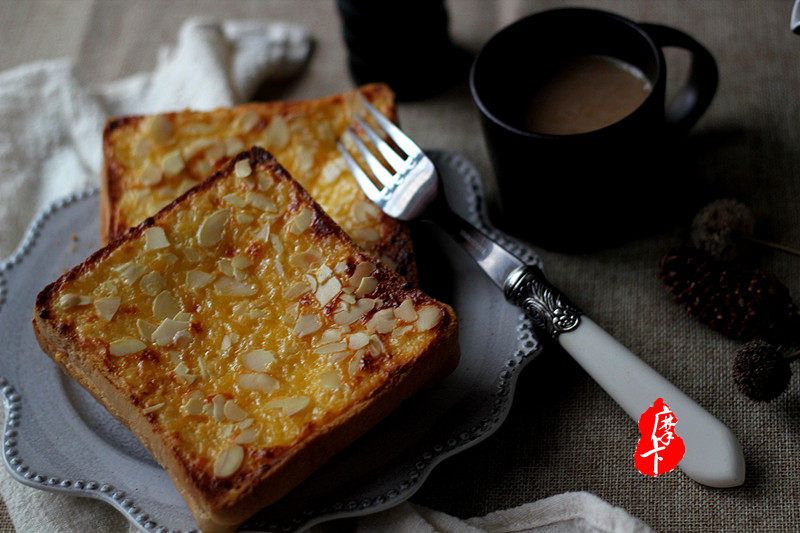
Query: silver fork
[413, 191]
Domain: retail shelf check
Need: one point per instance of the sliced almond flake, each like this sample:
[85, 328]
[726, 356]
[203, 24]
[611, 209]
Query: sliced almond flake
[169, 258]
[193, 406]
[165, 305]
[224, 266]
[323, 273]
[215, 152]
[276, 134]
[242, 168]
[226, 343]
[244, 218]
[197, 278]
[330, 335]
[339, 356]
[258, 360]
[328, 291]
[246, 423]
[349, 298]
[312, 281]
[383, 321]
[151, 175]
[366, 211]
[234, 199]
[235, 337]
[183, 316]
[361, 271]
[389, 262]
[295, 291]
[376, 346]
[152, 408]
[198, 128]
[260, 201]
[304, 157]
[265, 182]
[276, 244]
[164, 334]
[203, 366]
[125, 347]
[210, 231]
[246, 436]
[355, 312]
[130, 272]
[233, 412]
[227, 286]
[174, 357]
[160, 128]
[107, 307]
[402, 330]
[367, 235]
[152, 283]
[330, 380]
[302, 221]
[332, 170]
[354, 365]
[429, 317]
[196, 146]
[331, 348]
[192, 255]
[143, 148]
[405, 311]
[182, 338]
[247, 120]
[229, 461]
[181, 369]
[290, 405]
[202, 167]
[218, 402]
[240, 308]
[172, 163]
[306, 325]
[257, 313]
[340, 268]
[241, 261]
[358, 340]
[233, 145]
[260, 382]
[69, 300]
[367, 285]
[145, 329]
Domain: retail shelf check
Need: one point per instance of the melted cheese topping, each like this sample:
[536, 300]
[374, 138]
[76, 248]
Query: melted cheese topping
[251, 243]
[165, 155]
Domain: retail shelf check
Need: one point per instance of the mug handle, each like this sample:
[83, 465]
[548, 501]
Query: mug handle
[694, 98]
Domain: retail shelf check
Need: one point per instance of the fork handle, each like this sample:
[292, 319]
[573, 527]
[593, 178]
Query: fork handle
[713, 455]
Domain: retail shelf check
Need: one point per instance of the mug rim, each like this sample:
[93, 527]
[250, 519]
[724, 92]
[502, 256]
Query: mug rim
[656, 51]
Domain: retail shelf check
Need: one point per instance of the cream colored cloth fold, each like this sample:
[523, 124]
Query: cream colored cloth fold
[50, 145]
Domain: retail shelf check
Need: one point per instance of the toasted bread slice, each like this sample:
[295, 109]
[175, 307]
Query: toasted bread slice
[150, 160]
[243, 337]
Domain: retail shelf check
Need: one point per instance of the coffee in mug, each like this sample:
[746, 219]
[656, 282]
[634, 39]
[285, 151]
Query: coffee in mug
[583, 93]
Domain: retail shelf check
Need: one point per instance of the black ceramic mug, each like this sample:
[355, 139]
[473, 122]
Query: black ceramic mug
[579, 191]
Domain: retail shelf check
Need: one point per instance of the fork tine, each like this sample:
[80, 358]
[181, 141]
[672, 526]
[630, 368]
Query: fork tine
[388, 153]
[400, 139]
[373, 163]
[366, 184]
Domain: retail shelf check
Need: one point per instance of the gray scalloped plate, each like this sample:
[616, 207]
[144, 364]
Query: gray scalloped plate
[58, 438]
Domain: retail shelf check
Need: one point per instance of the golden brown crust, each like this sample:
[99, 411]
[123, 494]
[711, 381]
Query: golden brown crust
[220, 505]
[395, 238]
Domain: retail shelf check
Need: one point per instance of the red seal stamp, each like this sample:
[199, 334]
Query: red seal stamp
[659, 449]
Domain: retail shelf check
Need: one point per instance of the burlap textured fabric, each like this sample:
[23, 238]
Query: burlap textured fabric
[564, 433]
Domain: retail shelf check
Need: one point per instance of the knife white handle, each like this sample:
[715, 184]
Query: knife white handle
[713, 455]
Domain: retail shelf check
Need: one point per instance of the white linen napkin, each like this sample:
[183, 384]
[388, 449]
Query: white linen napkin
[50, 145]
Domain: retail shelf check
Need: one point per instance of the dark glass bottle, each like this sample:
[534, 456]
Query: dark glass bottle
[404, 43]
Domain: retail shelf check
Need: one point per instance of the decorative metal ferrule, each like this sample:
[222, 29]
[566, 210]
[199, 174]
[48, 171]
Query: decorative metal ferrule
[549, 310]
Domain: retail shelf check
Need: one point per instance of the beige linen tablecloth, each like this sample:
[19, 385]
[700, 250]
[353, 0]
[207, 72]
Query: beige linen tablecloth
[563, 433]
